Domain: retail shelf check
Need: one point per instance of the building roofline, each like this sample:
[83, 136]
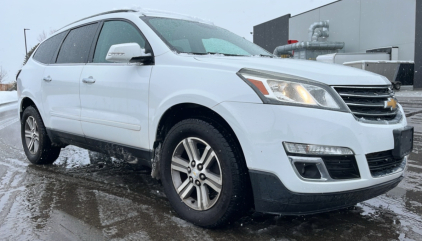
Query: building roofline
[316, 8]
[274, 19]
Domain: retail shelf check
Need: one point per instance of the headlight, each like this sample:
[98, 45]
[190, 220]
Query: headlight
[275, 88]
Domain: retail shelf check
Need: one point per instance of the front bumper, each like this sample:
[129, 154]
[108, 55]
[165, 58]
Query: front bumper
[261, 130]
[271, 196]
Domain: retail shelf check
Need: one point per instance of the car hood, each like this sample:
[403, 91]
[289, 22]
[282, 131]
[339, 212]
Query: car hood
[330, 74]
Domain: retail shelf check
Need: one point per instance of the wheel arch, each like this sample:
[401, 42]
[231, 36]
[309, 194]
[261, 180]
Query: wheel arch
[26, 102]
[182, 111]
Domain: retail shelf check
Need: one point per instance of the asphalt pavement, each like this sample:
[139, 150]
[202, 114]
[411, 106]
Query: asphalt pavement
[75, 200]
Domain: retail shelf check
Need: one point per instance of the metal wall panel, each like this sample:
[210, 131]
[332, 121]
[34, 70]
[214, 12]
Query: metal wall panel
[299, 24]
[364, 24]
[344, 17]
[387, 23]
[417, 81]
[273, 33]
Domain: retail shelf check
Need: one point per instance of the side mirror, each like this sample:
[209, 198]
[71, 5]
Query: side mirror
[128, 53]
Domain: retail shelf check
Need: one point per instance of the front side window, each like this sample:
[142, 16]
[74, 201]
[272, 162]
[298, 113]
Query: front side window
[186, 36]
[76, 46]
[48, 48]
[116, 32]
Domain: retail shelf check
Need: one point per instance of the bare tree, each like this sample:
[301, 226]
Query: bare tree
[42, 36]
[3, 75]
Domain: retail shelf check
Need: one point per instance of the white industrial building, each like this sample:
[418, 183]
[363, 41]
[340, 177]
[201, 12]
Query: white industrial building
[362, 25]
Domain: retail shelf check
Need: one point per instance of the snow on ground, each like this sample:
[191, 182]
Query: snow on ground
[409, 93]
[8, 96]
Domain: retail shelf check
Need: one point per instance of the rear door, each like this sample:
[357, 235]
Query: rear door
[61, 80]
[114, 96]
[33, 72]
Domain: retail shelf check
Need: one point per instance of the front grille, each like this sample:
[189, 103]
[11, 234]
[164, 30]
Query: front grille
[368, 102]
[341, 167]
[382, 162]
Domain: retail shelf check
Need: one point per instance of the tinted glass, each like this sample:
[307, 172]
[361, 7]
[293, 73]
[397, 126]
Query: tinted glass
[48, 48]
[199, 38]
[116, 32]
[76, 46]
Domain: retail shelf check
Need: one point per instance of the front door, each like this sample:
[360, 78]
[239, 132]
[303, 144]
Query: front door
[114, 97]
[61, 81]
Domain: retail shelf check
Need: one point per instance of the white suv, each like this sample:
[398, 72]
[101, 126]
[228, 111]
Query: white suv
[224, 124]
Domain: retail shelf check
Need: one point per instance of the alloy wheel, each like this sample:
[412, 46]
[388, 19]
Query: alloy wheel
[196, 173]
[32, 136]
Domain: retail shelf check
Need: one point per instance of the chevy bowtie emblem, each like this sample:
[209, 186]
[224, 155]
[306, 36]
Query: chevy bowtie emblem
[390, 103]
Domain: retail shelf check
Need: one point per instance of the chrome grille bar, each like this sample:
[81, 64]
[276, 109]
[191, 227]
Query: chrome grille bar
[369, 102]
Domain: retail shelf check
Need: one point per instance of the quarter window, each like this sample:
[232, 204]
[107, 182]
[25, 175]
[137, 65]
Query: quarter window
[76, 46]
[48, 48]
[116, 32]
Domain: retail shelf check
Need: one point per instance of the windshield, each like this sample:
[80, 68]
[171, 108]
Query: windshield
[197, 38]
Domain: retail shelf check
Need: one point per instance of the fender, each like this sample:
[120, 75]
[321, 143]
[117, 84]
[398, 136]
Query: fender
[203, 98]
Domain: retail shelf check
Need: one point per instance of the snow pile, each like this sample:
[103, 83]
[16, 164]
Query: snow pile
[8, 96]
[72, 156]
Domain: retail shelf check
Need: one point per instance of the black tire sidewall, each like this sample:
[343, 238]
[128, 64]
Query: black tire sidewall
[44, 148]
[197, 128]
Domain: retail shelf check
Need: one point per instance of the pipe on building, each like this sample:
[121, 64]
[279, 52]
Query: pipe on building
[322, 24]
[285, 49]
[318, 33]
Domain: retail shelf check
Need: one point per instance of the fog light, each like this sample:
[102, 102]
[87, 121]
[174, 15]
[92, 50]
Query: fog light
[309, 149]
[308, 170]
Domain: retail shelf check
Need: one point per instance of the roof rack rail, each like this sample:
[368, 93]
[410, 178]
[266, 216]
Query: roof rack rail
[99, 14]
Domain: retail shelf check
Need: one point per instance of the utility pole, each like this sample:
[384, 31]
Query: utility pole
[24, 33]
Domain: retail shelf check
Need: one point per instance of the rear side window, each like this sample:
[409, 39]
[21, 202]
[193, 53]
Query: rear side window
[76, 46]
[116, 32]
[48, 48]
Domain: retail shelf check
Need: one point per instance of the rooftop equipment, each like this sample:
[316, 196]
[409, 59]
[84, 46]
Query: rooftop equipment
[340, 58]
[312, 48]
[384, 53]
[398, 72]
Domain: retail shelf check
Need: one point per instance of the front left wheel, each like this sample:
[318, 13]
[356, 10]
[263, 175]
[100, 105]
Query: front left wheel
[35, 141]
[204, 174]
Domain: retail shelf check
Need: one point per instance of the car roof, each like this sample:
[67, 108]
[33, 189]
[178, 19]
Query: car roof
[146, 12]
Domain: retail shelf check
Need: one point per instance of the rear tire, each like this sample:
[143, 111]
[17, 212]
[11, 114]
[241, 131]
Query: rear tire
[223, 203]
[35, 141]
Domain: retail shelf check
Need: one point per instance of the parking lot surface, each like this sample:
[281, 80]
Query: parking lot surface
[77, 198]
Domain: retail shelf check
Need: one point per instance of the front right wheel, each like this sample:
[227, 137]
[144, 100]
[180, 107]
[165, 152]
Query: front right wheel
[204, 174]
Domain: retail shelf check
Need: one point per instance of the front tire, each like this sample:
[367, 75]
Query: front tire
[35, 141]
[203, 174]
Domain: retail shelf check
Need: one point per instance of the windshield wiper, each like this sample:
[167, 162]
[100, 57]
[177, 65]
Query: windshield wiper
[266, 55]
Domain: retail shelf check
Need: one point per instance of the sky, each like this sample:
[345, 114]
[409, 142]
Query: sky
[238, 16]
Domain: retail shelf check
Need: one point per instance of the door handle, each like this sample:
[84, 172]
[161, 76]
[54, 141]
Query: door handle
[47, 79]
[88, 80]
